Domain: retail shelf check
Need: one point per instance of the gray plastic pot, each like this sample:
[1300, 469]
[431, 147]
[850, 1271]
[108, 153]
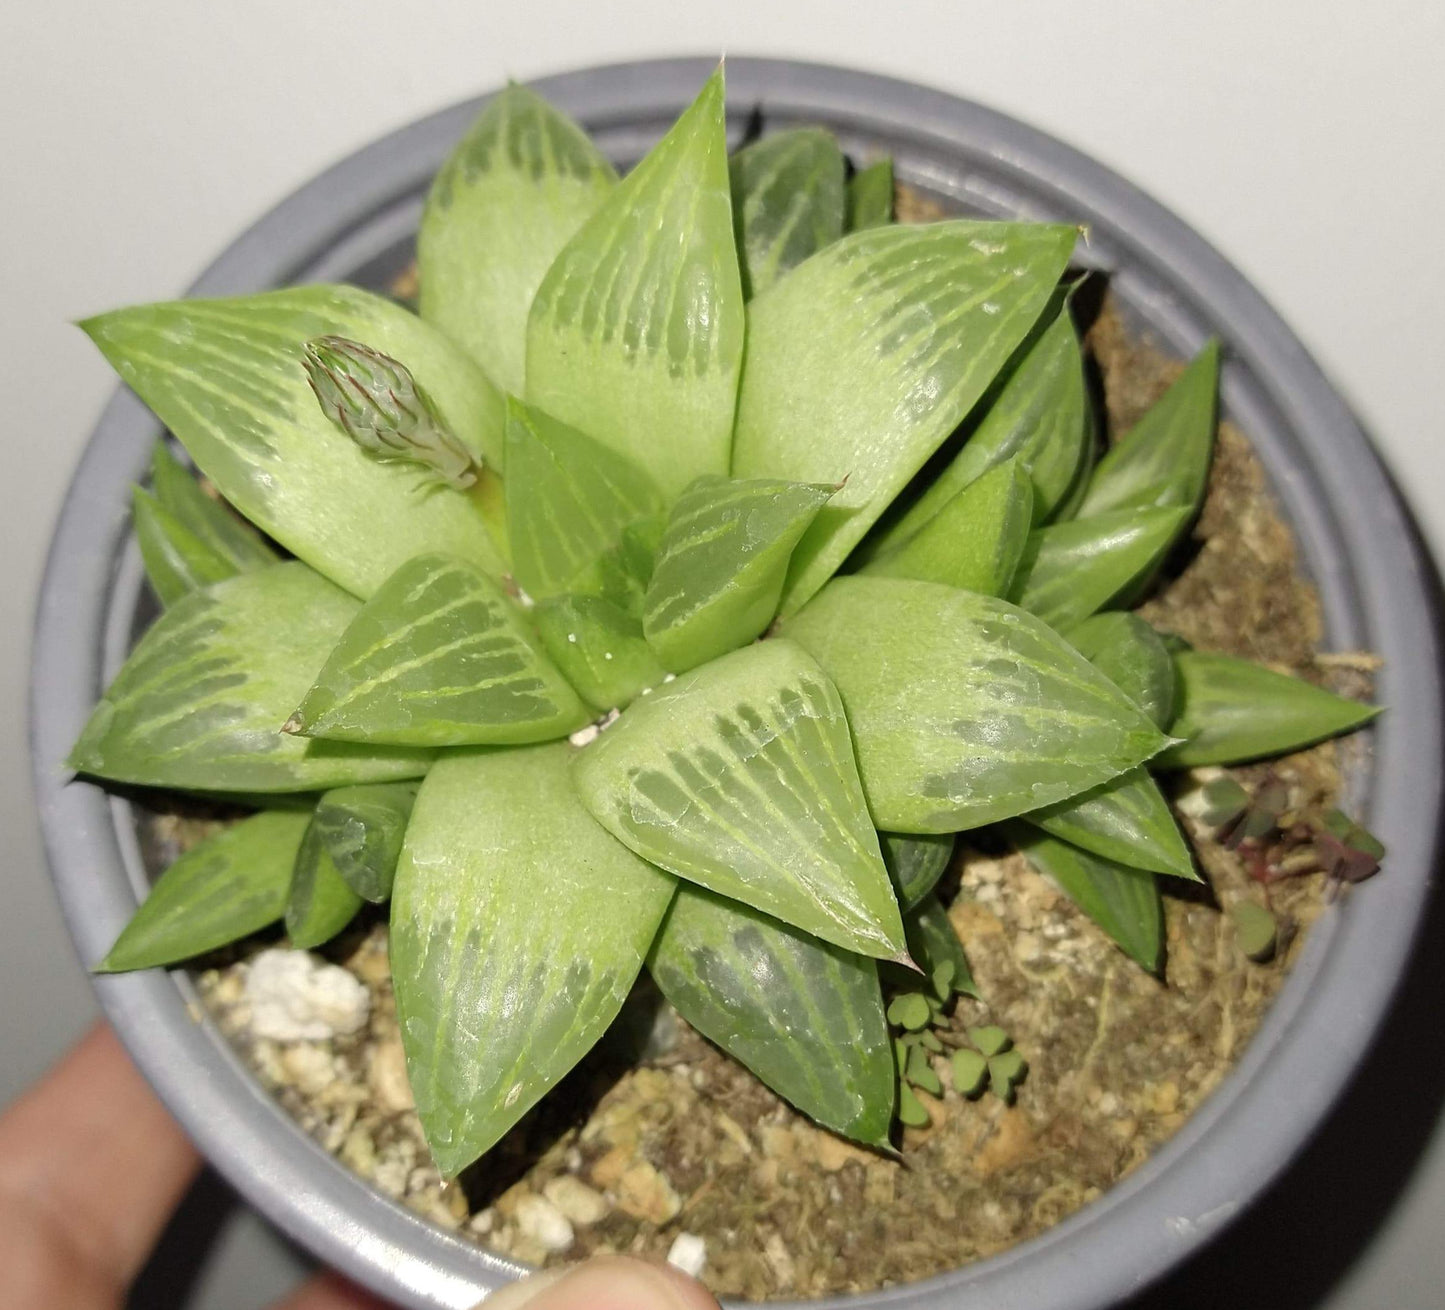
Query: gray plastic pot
[356, 222]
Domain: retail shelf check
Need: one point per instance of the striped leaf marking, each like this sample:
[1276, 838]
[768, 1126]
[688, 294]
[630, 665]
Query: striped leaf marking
[866, 356]
[362, 830]
[740, 776]
[1070, 570]
[176, 561]
[517, 187]
[975, 541]
[915, 863]
[964, 708]
[226, 377]
[1132, 655]
[1163, 460]
[636, 333]
[200, 702]
[933, 941]
[788, 202]
[1037, 412]
[870, 196]
[219, 528]
[806, 1017]
[229, 886]
[1123, 901]
[721, 563]
[517, 928]
[320, 903]
[569, 498]
[439, 656]
[599, 648]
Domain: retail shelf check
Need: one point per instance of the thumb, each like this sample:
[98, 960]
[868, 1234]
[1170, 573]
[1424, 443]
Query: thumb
[605, 1283]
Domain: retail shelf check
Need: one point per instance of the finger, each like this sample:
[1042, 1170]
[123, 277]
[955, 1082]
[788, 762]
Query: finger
[606, 1283]
[330, 1291]
[93, 1156]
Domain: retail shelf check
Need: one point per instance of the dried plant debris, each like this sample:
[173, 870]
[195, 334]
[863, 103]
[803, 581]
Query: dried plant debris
[1016, 1110]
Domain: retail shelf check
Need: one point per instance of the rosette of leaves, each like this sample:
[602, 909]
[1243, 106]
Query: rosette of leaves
[649, 456]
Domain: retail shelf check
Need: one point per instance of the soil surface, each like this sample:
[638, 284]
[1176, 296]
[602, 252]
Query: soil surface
[659, 1135]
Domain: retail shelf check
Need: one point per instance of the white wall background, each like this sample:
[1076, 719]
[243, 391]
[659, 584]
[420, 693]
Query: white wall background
[1301, 136]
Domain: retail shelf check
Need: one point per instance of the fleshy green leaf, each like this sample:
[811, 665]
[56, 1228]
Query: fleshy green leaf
[1127, 650]
[176, 561]
[1124, 902]
[787, 202]
[740, 776]
[1038, 413]
[1163, 460]
[321, 903]
[636, 333]
[1231, 710]
[915, 863]
[218, 528]
[227, 377]
[1126, 820]
[870, 196]
[517, 929]
[1070, 570]
[933, 943]
[439, 656]
[599, 648]
[362, 829]
[1068, 508]
[231, 885]
[975, 541]
[200, 702]
[965, 709]
[510, 196]
[866, 356]
[803, 1015]
[721, 564]
[569, 498]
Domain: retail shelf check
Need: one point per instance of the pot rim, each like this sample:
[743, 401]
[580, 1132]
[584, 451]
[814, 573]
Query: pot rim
[1375, 581]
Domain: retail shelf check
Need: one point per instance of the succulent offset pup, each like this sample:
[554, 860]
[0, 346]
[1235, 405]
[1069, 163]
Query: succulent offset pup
[707, 553]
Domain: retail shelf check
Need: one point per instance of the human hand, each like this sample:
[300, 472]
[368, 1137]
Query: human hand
[92, 1165]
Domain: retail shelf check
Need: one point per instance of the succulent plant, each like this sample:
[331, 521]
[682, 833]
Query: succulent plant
[643, 608]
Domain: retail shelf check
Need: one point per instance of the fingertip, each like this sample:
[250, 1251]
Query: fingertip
[605, 1283]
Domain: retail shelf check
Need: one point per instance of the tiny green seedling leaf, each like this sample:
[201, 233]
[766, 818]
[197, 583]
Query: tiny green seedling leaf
[1134, 657]
[910, 1011]
[636, 332]
[228, 378]
[720, 566]
[975, 541]
[362, 829]
[517, 929]
[1005, 1071]
[231, 885]
[1256, 929]
[176, 561]
[569, 500]
[515, 190]
[740, 776]
[1123, 901]
[1163, 460]
[965, 709]
[1037, 413]
[1348, 852]
[439, 656]
[934, 946]
[1070, 570]
[870, 196]
[970, 1072]
[915, 863]
[919, 1072]
[787, 192]
[219, 529]
[599, 648]
[199, 704]
[1231, 710]
[990, 1039]
[321, 902]
[911, 1110]
[806, 1017]
[866, 356]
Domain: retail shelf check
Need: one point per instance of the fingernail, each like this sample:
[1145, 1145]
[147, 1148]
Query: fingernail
[524, 1291]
